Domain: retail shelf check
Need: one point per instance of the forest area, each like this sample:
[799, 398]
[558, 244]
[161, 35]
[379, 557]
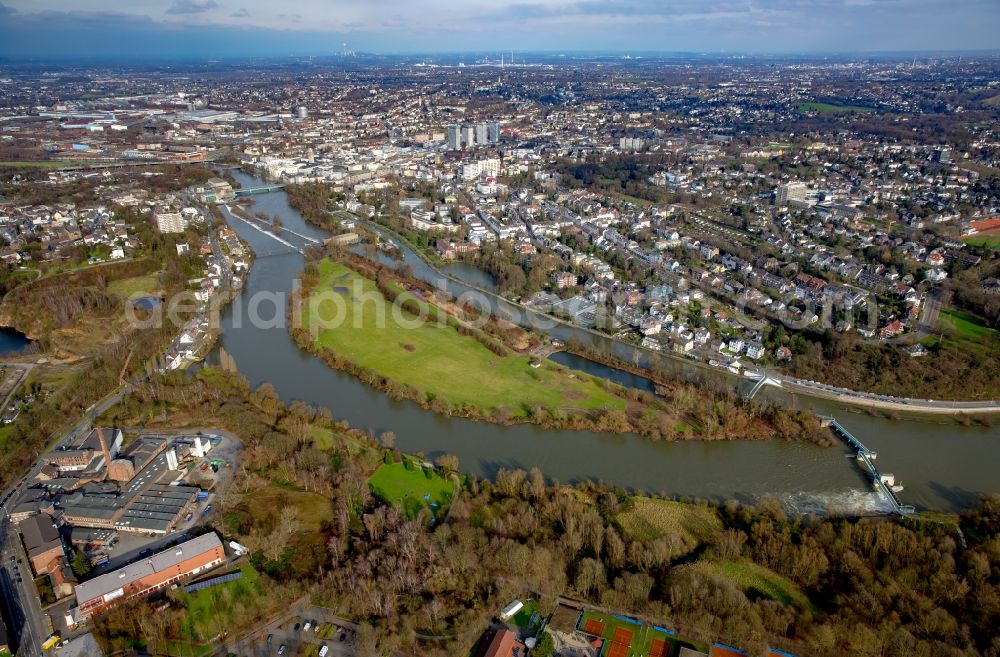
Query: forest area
[817, 586]
[313, 201]
[955, 367]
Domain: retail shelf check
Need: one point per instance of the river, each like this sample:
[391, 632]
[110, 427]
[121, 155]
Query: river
[942, 465]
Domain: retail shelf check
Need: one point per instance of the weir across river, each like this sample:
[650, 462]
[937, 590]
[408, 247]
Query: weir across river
[866, 458]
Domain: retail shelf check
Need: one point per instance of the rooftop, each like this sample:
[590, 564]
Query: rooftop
[116, 579]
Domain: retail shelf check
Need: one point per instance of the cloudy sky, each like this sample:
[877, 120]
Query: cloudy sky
[206, 28]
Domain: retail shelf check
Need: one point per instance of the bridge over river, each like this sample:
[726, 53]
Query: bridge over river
[264, 189]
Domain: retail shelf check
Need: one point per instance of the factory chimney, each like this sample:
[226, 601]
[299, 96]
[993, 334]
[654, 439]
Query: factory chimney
[104, 448]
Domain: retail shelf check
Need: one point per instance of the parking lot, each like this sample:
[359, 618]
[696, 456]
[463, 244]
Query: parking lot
[301, 635]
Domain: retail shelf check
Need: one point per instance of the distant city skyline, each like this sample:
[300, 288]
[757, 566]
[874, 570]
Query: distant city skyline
[228, 28]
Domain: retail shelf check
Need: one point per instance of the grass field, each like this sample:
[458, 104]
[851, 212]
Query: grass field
[326, 439]
[313, 509]
[138, 285]
[990, 240]
[220, 608]
[523, 617]
[40, 164]
[412, 489]
[827, 108]
[968, 326]
[752, 578]
[5, 432]
[649, 519]
[436, 359]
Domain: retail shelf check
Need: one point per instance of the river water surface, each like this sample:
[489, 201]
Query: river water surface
[942, 465]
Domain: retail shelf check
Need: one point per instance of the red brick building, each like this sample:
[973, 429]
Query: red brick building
[43, 544]
[503, 643]
[147, 575]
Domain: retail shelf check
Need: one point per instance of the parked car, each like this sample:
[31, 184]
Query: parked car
[323, 649]
[281, 649]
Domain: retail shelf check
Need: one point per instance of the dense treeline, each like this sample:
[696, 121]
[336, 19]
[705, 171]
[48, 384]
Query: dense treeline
[617, 174]
[518, 275]
[312, 201]
[871, 587]
[946, 373]
[968, 294]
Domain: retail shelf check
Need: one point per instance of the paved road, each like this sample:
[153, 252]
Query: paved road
[213, 238]
[19, 593]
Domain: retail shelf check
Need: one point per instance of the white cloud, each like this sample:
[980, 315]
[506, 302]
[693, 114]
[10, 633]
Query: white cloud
[191, 6]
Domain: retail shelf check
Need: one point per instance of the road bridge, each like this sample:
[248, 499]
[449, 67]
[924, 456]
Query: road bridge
[265, 189]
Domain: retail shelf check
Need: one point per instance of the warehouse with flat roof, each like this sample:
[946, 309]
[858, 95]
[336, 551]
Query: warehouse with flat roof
[147, 575]
[157, 509]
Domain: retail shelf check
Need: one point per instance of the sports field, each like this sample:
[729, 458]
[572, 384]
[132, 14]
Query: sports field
[434, 358]
[987, 240]
[628, 639]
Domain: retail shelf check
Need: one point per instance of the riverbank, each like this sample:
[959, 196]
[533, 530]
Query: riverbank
[427, 351]
[943, 464]
[962, 410]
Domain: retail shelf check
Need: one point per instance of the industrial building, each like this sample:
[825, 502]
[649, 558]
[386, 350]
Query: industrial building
[92, 539]
[97, 485]
[147, 575]
[90, 454]
[157, 509]
[43, 544]
[216, 190]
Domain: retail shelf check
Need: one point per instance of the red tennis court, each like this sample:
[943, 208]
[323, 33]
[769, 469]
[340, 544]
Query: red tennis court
[593, 626]
[659, 648]
[620, 644]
